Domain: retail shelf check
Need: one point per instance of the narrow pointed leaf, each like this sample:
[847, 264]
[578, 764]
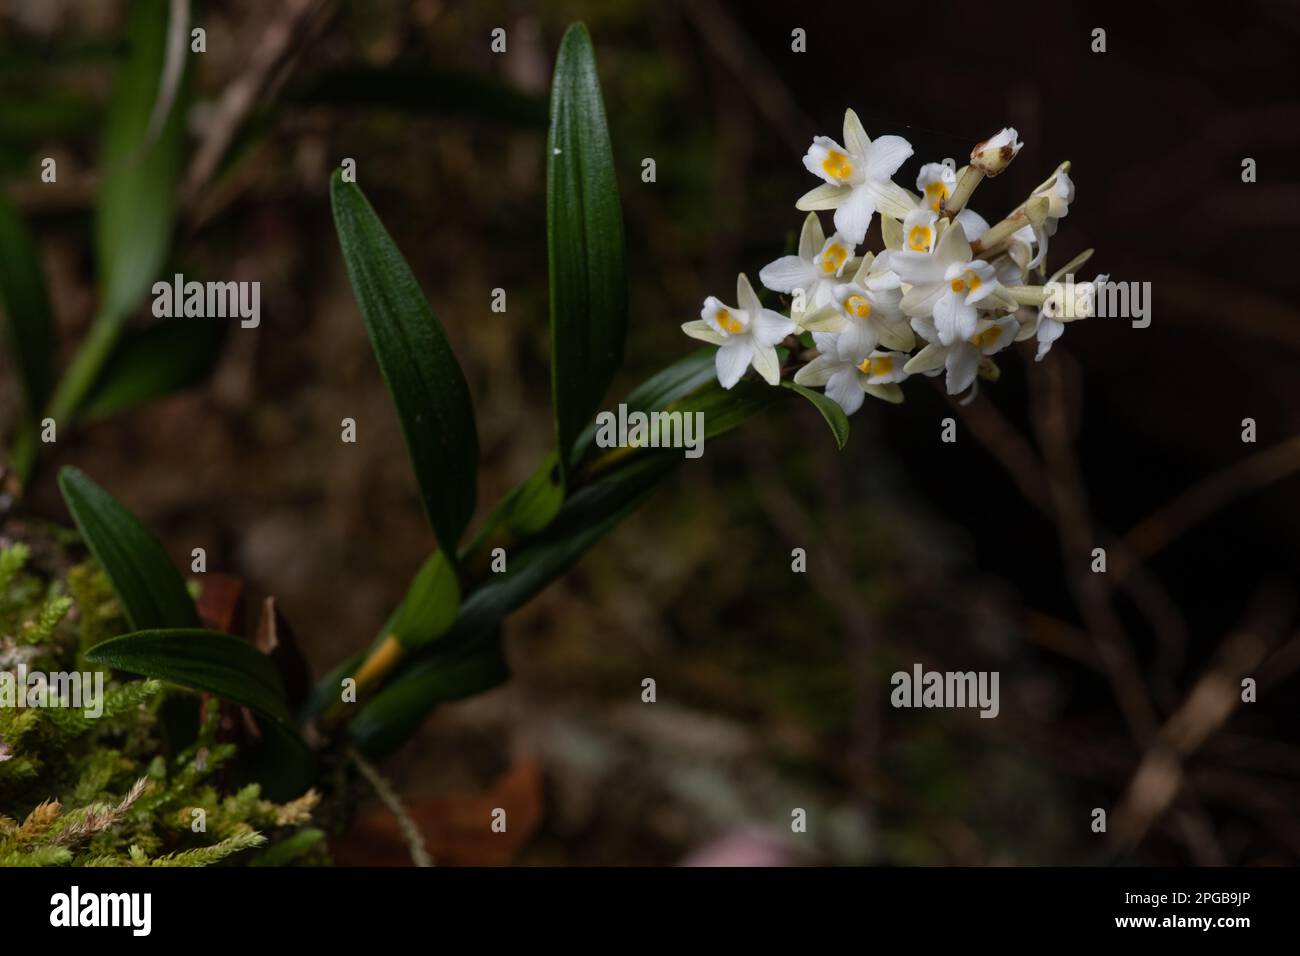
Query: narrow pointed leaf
[397, 711]
[585, 245]
[429, 606]
[830, 410]
[164, 358]
[428, 388]
[219, 663]
[26, 308]
[151, 590]
[137, 196]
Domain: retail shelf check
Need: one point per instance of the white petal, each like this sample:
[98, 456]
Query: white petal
[927, 360]
[858, 340]
[923, 325]
[1049, 330]
[732, 360]
[828, 318]
[916, 268]
[954, 318]
[972, 223]
[787, 274]
[890, 198]
[962, 364]
[855, 137]
[699, 329]
[853, 217]
[886, 154]
[769, 327]
[886, 392]
[953, 247]
[920, 300]
[896, 336]
[811, 238]
[825, 196]
[988, 282]
[745, 296]
[767, 364]
[844, 389]
[817, 372]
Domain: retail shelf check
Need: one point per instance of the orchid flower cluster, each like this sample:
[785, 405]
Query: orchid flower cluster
[946, 293]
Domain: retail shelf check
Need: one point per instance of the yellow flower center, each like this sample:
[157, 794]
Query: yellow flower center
[919, 238]
[833, 258]
[881, 365]
[727, 322]
[837, 165]
[858, 306]
[936, 192]
[987, 338]
[968, 281]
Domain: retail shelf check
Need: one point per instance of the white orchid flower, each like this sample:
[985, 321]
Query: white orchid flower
[1010, 270]
[919, 230]
[847, 375]
[744, 336]
[1059, 191]
[936, 183]
[858, 178]
[1067, 302]
[814, 272]
[961, 358]
[946, 283]
[867, 310]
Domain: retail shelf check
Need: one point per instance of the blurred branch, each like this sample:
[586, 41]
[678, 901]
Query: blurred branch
[1160, 775]
[1069, 500]
[1021, 462]
[1161, 528]
[280, 42]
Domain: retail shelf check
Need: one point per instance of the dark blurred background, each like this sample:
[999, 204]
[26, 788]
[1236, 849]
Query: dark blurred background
[1117, 689]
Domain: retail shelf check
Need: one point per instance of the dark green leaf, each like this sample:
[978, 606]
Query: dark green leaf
[397, 711]
[468, 658]
[223, 665]
[585, 245]
[27, 309]
[150, 588]
[166, 357]
[427, 386]
[831, 411]
[137, 202]
[429, 606]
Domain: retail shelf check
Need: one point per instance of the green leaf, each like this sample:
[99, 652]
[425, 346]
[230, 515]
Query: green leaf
[584, 244]
[429, 606]
[831, 411]
[27, 309]
[219, 663]
[137, 201]
[166, 357]
[151, 590]
[396, 712]
[432, 399]
[468, 658]
[136, 206]
[532, 506]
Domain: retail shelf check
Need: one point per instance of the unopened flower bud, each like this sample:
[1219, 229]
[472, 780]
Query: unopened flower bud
[993, 155]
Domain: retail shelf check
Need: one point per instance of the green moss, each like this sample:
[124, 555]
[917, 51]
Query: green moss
[81, 788]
